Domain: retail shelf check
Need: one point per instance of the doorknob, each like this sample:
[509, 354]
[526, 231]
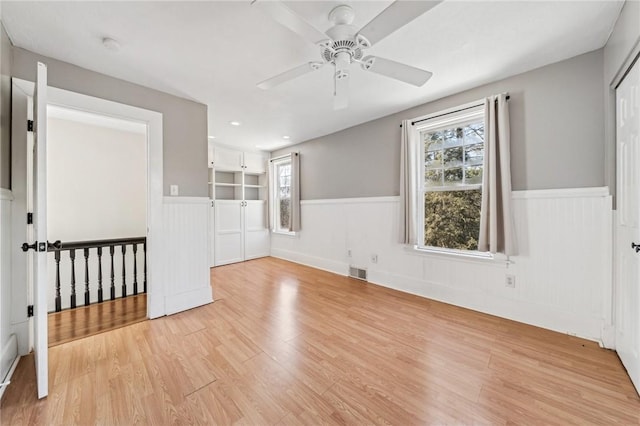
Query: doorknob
[636, 247]
[26, 247]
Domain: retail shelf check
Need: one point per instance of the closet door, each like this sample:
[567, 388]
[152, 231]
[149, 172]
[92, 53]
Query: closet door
[256, 237]
[229, 225]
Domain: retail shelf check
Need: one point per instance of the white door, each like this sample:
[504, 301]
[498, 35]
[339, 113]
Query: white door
[627, 312]
[256, 233]
[229, 226]
[39, 263]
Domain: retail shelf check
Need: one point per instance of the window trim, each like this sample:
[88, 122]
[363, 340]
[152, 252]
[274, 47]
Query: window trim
[275, 163]
[441, 120]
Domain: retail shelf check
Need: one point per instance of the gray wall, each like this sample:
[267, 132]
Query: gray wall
[184, 121]
[5, 109]
[623, 44]
[557, 136]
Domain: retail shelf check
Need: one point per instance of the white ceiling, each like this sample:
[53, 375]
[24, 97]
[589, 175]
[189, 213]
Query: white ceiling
[216, 52]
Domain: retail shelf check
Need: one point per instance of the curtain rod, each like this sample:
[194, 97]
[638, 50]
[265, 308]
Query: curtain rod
[283, 156]
[450, 112]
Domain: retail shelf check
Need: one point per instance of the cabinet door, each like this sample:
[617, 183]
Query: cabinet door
[229, 225]
[256, 234]
[227, 159]
[255, 162]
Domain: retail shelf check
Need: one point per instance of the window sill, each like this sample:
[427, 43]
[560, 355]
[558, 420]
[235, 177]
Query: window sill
[284, 233]
[475, 256]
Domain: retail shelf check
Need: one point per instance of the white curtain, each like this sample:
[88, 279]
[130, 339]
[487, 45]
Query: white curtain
[408, 185]
[496, 223]
[294, 216]
[270, 217]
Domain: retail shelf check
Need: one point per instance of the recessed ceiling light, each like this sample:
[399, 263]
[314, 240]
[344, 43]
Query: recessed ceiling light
[285, 137]
[110, 44]
[234, 123]
[212, 137]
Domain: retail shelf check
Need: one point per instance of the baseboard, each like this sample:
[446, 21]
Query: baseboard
[328, 265]
[608, 337]
[10, 360]
[528, 313]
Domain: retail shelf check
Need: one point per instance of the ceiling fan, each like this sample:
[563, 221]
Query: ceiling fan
[343, 44]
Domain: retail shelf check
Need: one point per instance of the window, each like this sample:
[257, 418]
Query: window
[450, 179]
[282, 194]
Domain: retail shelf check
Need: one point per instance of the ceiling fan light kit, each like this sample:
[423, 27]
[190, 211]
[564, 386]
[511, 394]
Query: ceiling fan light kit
[345, 44]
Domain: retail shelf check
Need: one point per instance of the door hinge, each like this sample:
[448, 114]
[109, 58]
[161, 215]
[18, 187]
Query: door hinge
[29, 125]
[29, 218]
[29, 311]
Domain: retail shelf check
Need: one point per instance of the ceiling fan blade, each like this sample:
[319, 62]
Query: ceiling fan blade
[397, 15]
[393, 69]
[289, 75]
[288, 18]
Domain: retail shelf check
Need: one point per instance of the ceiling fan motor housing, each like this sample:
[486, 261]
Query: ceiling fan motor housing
[344, 44]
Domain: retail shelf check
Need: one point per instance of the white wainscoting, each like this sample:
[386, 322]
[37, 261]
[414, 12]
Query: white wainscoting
[563, 270]
[8, 341]
[185, 239]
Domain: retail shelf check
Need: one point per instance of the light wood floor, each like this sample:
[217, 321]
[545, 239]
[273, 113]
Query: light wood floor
[287, 344]
[72, 324]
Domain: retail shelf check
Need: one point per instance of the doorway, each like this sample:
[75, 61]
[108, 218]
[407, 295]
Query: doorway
[22, 325]
[96, 212]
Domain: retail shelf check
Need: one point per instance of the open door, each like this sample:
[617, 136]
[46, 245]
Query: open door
[627, 307]
[39, 263]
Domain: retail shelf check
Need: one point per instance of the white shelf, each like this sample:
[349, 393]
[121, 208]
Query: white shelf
[228, 184]
[255, 186]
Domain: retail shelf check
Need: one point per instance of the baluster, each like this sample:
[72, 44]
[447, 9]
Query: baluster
[100, 275]
[86, 278]
[124, 273]
[113, 285]
[135, 269]
[58, 297]
[72, 255]
[144, 247]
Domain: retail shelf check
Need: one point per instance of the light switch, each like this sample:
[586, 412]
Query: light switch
[174, 190]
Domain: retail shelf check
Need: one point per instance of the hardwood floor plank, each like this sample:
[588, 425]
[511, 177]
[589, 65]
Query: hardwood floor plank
[287, 344]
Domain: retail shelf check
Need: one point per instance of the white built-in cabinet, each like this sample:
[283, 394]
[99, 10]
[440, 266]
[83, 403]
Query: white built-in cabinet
[238, 192]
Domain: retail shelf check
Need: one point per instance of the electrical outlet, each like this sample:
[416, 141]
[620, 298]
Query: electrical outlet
[173, 190]
[510, 281]
[374, 258]
[348, 252]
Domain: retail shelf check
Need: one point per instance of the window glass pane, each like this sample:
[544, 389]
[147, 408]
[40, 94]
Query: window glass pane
[453, 177]
[433, 159]
[452, 157]
[284, 180]
[433, 141]
[473, 175]
[283, 196]
[474, 154]
[452, 219]
[284, 213]
[433, 177]
[474, 133]
[453, 137]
